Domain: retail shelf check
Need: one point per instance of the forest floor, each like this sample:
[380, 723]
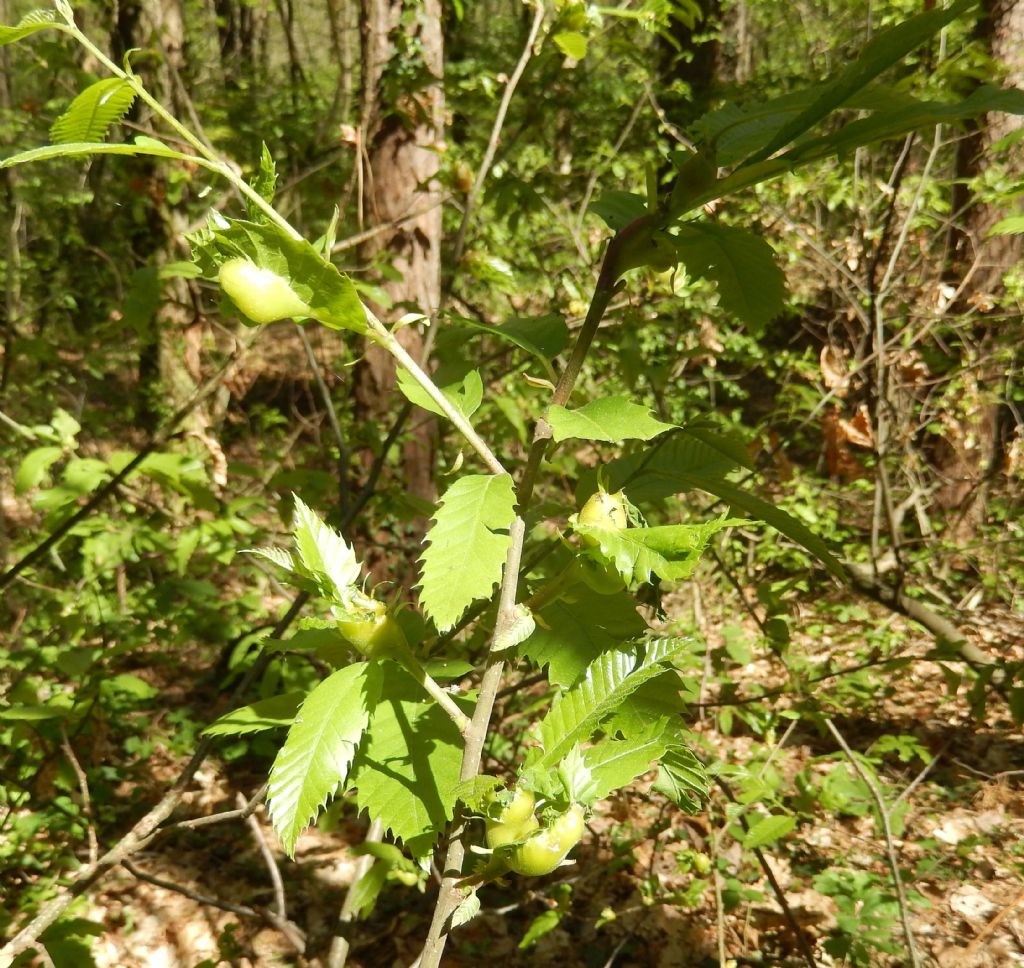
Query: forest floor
[634, 896]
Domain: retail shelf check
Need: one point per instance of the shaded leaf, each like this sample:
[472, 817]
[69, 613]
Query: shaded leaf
[577, 628]
[407, 771]
[258, 716]
[880, 53]
[742, 265]
[682, 778]
[619, 208]
[608, 418]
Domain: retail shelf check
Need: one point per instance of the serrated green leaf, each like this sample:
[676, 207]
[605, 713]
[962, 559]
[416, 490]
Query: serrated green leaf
[767, 830]
[576, 713]
[330, 295]
[678, 463]
[33, 468]
[682, 778]
[671, 552]
[323, 550]
[742, 265]
[264, 184]
[468, 909]
[478, 793]
[1014, 225]
[658, 471]
[577, 628]
[266, 714]
[466, 395]
[608, 418]
[277, 556]
[29, 24]
[571, 43]
[407, 771]
[322, 741]
[615, 763]
[322, 638]
[465, 553]
[142, 146]
[880, 53]
[91, 113]
[543, 336]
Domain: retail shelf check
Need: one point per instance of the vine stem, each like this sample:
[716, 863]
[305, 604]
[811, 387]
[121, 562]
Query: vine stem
[450, 895]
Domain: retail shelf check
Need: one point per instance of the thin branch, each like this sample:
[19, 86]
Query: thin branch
[332, 419]
[499, 123]
[379, 333]
[289, 930]
[449, 896]
[251, 806]
[280, 908]
[83, 788]
[780, 895]
[890, 848]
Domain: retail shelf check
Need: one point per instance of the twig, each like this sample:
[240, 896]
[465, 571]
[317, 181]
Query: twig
[380, 334]
[342, 942]
[919, 779]
[268, 857]
[332, 419]
[449, 895]
[780, 895]
[492, 143]
[287, 928]
[83, 788]
[883, 812]
[244, 813]
[945, 631]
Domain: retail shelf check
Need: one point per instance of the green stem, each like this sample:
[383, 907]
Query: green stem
[379, 333]
[450, 894]
[212, 161]
[412, 665]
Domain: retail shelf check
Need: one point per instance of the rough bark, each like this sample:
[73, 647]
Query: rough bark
[402, 136]
[970, 453]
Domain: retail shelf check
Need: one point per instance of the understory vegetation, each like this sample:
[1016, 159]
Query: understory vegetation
[512, 479]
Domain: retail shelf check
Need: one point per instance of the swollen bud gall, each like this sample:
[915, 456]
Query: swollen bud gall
[377, 637]
[604, 510]
[542, 852]
[259, 293]
[516, 822]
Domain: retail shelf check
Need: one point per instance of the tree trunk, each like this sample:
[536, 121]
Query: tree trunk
[970, 454]
[402, 134]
